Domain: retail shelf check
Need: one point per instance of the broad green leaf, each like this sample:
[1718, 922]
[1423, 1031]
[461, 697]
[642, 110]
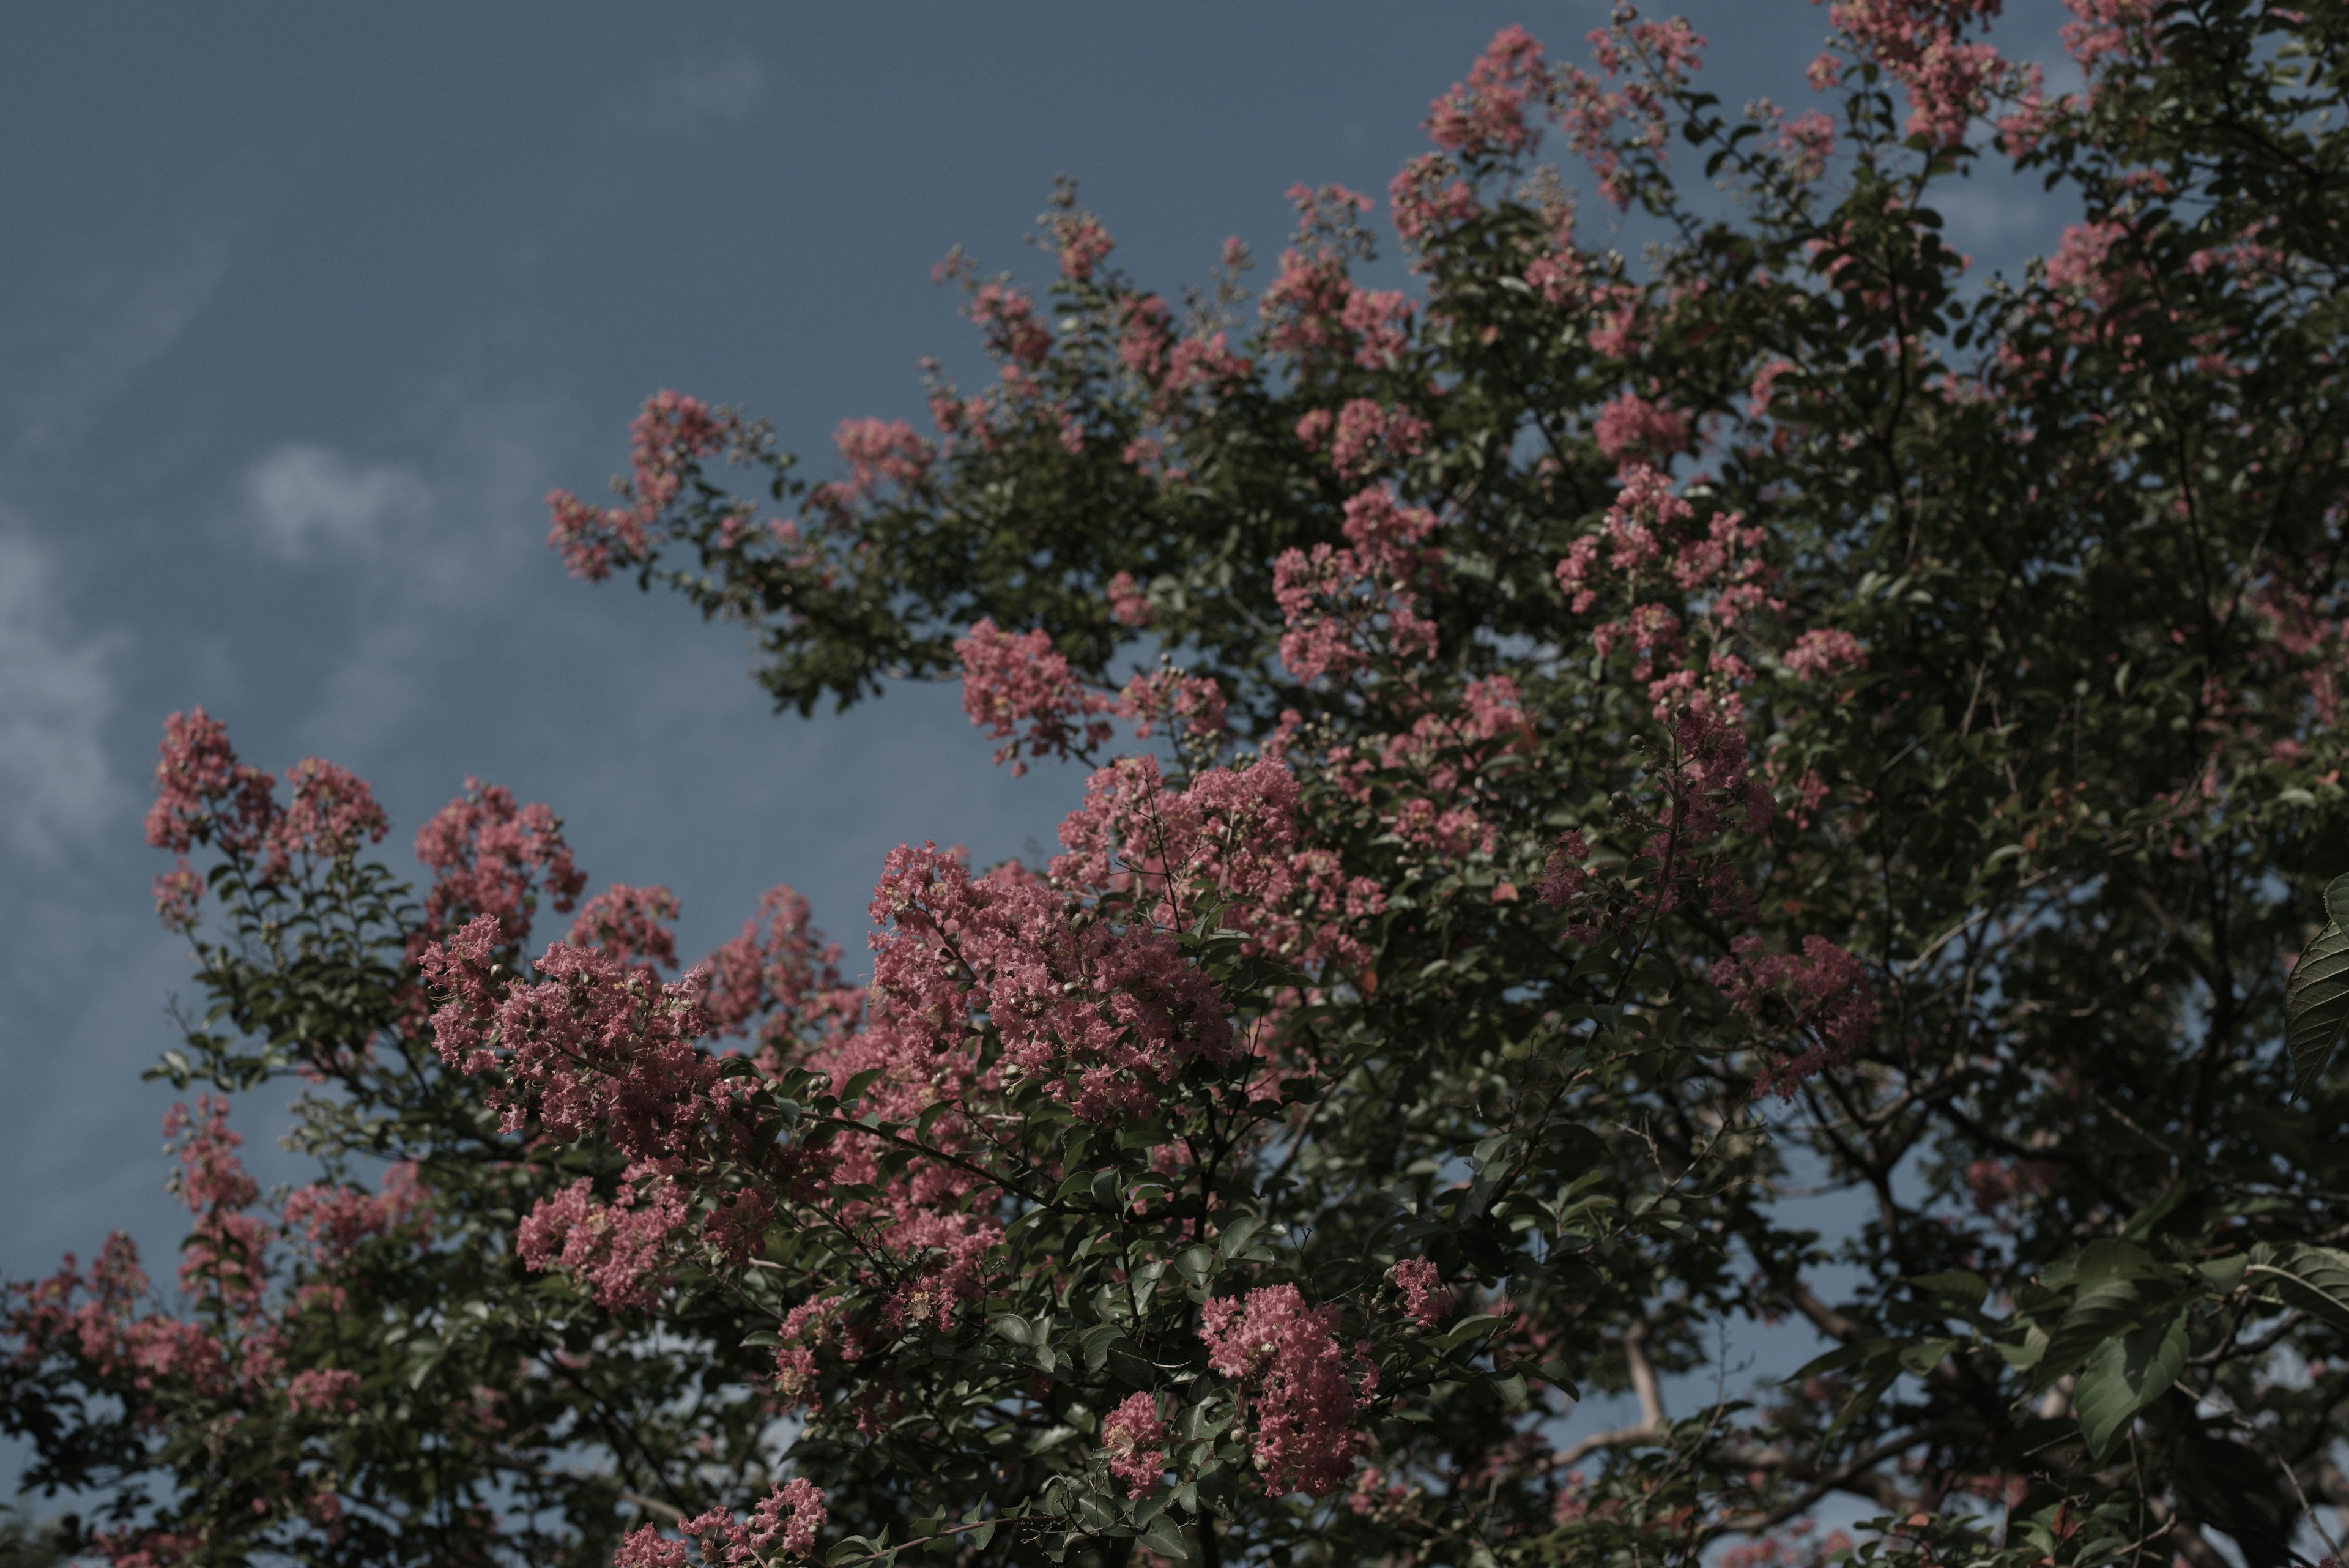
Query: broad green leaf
[2313, 1279]
[2101, 1312]
[2316, 1003]
[2126, 1374]
[1962, 1287]
[2336, 901]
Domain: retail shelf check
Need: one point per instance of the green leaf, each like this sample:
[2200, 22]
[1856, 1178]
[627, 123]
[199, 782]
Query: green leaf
[2313, 1279]
[2124, 1375]
[2316, 1000]
[1015, 1328]
[1966, 1289]
[2102, 1311]
[1165, 1537]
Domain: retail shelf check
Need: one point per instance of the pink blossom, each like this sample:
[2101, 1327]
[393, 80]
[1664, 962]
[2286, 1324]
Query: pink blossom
[2102, 28]
[1081, 245]
[1364, 436]
[1207, 362]
[1008, 317]
[1195, 705]
[1630, 428]
[1764, 390]
[1134, 1436]
[784, 965]
[625, 922]
[1127, 604]
[1824, 993]
[783, 1525]
[1144, 336]
[333, 810]
[590, 1048]
[1917, 41]
[1104, 1015]
[326, 1390]
[614, 1249]
[881, 452]
[485, 853]
[1821, 651]
[1299, 1403]
[1806, 143]
[1424, 1298]
[1563, 877]
[1378, 321]
[2079, 264]
[1009, 680]
[1429, 196]
[646, 1547]
[202, 792]
[1486, 115]
[669, 438]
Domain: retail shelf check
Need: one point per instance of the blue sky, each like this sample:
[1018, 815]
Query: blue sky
[306, 307]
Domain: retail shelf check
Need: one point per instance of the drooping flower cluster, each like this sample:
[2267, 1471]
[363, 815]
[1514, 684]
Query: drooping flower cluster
[1010, 680]
[1823, 994]
[1299, 1400]
[668, 439]
[1134, 1437]
[781, 1528]
[1424, 1298]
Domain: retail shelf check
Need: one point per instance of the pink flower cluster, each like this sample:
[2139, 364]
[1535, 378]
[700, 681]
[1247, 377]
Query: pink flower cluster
[1189, 704]
[783, 969]
[203, 793]
[616, 1248]
[1128, 605]
[1824, 992]
[336, 1220]
[1135, 1439]
[627, 923]
[1424, 1300]
[1081, 243]
[1234, 830]
[671, 436]
[323, 1389]
[1104, 1015]
[1299, 1402]
[1014, 332]
[1822, 651]
[1013, 679]
[1336, 599]
[1947, 82]
[2101, 30]
[1427, 196]
[485, 853]
[783, 1526]
[1665, 55]
[592, 1047]
[1363, 437]
[1485, 117]
[1631, 430]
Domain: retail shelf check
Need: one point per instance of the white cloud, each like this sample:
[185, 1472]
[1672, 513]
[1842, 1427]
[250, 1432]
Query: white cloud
[303, 497]
[54, 696]
[692, 94]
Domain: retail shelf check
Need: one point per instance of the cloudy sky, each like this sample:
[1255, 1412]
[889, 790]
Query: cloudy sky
[306, 307]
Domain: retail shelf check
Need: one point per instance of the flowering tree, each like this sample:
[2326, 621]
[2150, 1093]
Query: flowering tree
[1625, 745]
